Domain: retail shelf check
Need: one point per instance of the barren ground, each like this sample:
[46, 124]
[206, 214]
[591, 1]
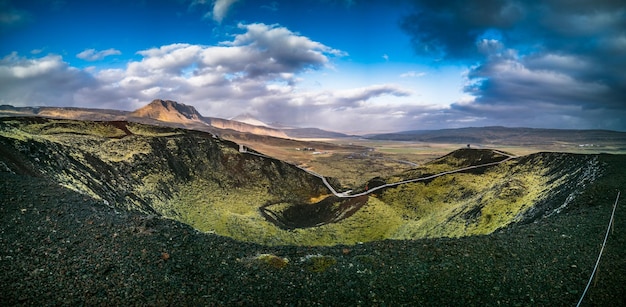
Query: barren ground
[63, 248]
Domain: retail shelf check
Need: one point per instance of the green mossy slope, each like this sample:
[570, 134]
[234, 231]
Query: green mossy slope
[480, 202]
[207, 183]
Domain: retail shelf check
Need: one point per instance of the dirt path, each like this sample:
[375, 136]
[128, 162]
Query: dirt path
[347, 194]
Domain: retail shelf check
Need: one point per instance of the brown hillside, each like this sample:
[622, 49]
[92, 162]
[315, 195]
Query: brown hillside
[168, 111]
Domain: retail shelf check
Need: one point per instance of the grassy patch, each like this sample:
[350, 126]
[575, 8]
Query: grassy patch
[99, 129]
[153, 131]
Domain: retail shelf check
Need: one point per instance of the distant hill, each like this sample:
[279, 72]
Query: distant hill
[312, 133]
[64, 112]
[506, 136]
[177, 115]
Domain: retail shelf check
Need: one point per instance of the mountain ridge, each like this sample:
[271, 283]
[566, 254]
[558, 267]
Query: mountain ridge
[182, 115]
[176, 114]
[158, 111]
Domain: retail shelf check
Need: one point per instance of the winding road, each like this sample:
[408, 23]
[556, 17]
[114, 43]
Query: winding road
[242, 149]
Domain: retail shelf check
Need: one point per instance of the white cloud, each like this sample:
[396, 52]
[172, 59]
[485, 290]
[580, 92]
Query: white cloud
[261, 70]
[257, 70]
[22, 68]
[93, 55]
[168, 59]
[46, 80]
[220, 9]
[228, 75]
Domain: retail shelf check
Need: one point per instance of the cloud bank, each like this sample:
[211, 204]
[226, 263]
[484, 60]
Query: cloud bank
[258, 71]
[538, 63]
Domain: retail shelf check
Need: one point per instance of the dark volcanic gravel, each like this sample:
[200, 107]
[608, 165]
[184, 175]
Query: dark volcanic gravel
[63, 248]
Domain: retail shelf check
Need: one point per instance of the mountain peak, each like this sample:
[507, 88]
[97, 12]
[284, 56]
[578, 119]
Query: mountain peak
[249, 119]
[168, 111]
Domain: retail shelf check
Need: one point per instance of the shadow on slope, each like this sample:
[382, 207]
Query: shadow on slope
[204, 181]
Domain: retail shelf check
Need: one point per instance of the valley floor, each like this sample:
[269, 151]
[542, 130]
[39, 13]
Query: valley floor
[63, 248]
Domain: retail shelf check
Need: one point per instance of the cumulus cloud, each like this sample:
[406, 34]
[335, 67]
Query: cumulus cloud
[93, 55]
[518, 83]
[531, 58]
[547, 90]
[274, 50]
[42, 81]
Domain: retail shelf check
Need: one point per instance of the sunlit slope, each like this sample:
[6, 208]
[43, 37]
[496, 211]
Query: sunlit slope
[208, 183]
[482, 200]
[144, 167]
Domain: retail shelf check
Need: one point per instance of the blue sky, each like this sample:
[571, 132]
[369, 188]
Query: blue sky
[354, 66]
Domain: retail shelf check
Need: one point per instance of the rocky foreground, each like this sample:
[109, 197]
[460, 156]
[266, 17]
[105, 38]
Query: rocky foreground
[64, 248]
